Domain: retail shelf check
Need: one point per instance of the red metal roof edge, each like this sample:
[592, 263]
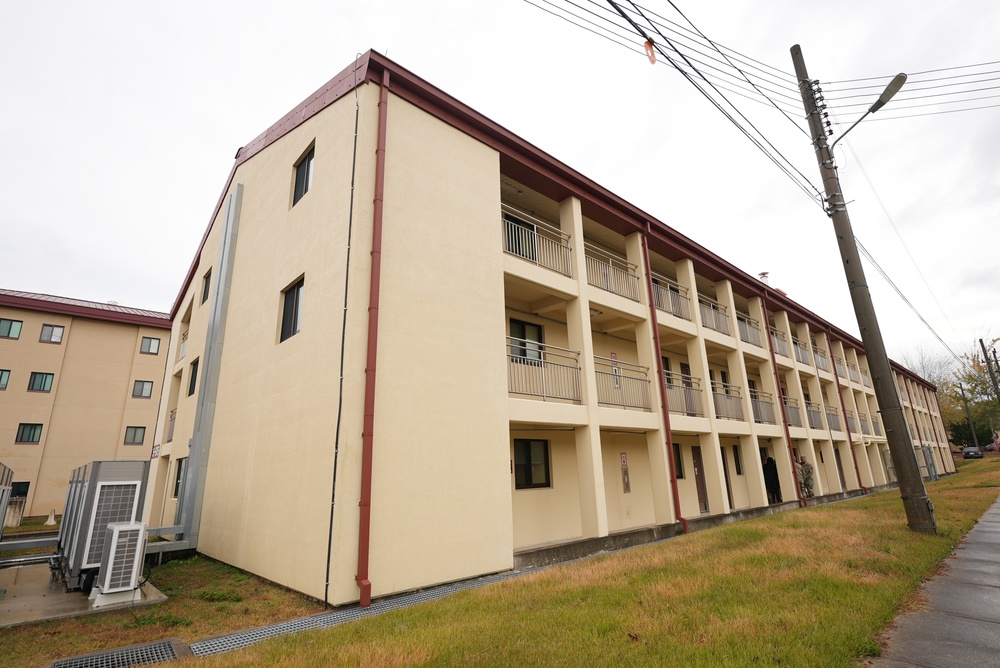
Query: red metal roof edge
[407, 85]
[82, 308]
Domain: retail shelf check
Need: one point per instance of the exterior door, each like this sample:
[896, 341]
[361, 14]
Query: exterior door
[725, 471]
[699, 479]
[840, 470]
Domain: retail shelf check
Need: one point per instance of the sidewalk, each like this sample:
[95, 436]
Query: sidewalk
[960, 623]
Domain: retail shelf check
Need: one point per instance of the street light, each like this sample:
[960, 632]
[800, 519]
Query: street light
[890, 90]
[919, 509]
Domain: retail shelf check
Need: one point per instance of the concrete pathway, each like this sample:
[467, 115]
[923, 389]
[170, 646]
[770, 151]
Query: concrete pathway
[960, 623]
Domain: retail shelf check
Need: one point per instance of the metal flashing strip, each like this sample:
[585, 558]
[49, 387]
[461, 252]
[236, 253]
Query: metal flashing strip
[324, 620]
[138, 655]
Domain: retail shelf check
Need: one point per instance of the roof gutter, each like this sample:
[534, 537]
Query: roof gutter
[368, 434]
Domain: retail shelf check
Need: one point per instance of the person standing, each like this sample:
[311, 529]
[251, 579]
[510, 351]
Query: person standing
[771, 481]
[807, 477]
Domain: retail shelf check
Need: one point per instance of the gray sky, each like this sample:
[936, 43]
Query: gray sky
[121, 120]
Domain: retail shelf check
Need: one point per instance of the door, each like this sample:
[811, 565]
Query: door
[699, 479]
[725, 471]
[840, 469]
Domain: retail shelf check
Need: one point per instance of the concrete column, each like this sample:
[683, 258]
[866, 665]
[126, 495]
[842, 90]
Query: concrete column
[753, 469]
[593, 500]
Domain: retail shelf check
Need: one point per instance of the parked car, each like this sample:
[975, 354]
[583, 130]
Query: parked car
[972, 452]
[992, 447]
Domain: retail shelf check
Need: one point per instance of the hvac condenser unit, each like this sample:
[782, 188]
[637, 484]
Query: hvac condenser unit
[121, 563]
[6, 482]
[100, 493]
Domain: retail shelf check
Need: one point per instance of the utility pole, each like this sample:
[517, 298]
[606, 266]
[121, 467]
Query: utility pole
[919, 509]
[989, 367]
[968, 416]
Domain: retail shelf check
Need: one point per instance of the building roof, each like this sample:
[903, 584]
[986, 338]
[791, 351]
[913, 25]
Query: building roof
[82, 308]
[534, 168]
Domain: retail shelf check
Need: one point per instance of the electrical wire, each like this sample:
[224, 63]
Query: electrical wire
[934, 71]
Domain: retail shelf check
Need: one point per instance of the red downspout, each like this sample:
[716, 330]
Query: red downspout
[663, 390]
[781, 402]
[368, 433]
[843, 411]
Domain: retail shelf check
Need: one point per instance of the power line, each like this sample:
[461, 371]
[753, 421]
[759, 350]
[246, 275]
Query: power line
[940, 69]
[911, 78]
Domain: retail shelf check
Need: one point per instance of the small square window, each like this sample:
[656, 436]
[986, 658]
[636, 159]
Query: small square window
[135, 435]
[291, 312]
[678, 461]
[206, 286]
[150, 346]
[143, 389]
[10, 329]
[531, 463]
[193, 378]
[4, 378]
[40, 382]
[52, 334]
[28, 433]
[303, 176]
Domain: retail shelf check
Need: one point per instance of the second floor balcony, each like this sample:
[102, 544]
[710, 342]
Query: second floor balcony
[713, 314]
[762, 405]
[876, 426]
[749, 329]
[622, 384]
[170, 426]
[779, 342]
[801, 352]
[540, 370]
[852, 372]
[814, 413]
[671, 297]
[863, 419]
[866, 380]
[536, 241]
[793, 411]
[726, 398]
[852, 423]
[610, 272]
[822, 362]
[841, 369]
[833, 419]
[684, 394]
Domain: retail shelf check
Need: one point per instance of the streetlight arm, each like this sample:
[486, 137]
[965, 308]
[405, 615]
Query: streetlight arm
[890, 90]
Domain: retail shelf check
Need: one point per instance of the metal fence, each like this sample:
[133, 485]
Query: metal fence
[536, 241]
[540, 370]
[728, 404]
[749, 329]
[684, 394]
[713, 314]
[612, 273]
[622, 384]
[671, 297]
[762, 405]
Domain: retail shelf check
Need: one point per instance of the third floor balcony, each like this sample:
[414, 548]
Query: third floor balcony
[762, 405]
[728, 404]
[536, 241]
[822, 362]
[684, 394]
[540, 370]
[814, 412]
[622, 384]
[779, 342]
[610, 272]
[749, 329]
[793, 411]
[801, 351]
[671, 297]
[713, 314]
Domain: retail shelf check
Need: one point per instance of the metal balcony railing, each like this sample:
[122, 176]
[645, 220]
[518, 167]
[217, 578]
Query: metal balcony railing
[671, 297]
[852, 423]
[762, 405]
[536, 241]
[910, 427]
[540, 370]
[821, 360]
[801, 352]
[779, 342]
[833, 418]
[876, 426]
[863, 419]
[749, 329]
[841, 370]
[727, 401]
[793, 411]
[866, 380]
[713, 314]
[610, 272]
[170, 425]
[621, 384]
[814, 413]
[182, 350]
[852, 372]
[684, 394]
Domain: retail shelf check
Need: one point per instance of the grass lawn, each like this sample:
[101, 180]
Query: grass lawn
[809, 587]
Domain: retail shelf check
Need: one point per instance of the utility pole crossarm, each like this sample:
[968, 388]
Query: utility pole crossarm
[919, 509]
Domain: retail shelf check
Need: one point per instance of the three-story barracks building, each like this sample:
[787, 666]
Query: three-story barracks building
[470, 353]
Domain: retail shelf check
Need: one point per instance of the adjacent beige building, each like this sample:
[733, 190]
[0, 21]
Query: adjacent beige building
[413, 348]
[79, 381]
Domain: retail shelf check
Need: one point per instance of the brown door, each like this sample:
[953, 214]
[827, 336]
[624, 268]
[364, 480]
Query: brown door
[699, 479]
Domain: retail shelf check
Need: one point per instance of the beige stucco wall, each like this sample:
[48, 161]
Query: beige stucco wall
[548, 514]
[90, 404]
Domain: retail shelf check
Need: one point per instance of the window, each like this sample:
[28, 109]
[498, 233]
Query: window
[206, 286]
[40, 382]
[10, 329]
[19, 489]
[4, 378]
[291, 312]
[531, 463]
[678, 461]
[521, 237]
[143, 389]
[150, 346]
[52, 334]
[193, 378]
[527, 346]
[135, 435]
[28, 433]
[737, 460]
[303, 176]
[179, 475]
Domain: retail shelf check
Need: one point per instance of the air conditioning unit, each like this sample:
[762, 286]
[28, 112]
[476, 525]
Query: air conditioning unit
[100, 493]
[121, 563]
[6, 482]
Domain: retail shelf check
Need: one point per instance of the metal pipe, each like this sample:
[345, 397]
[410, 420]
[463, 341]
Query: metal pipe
[664, 407]
[367, 435]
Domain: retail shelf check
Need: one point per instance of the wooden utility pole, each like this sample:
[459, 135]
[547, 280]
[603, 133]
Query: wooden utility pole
[989, 367]
[919, 509]
[968, 416]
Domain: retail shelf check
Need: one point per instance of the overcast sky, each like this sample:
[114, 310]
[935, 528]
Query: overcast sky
[121, 121]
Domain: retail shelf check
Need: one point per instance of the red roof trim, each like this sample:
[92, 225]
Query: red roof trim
[81, 308]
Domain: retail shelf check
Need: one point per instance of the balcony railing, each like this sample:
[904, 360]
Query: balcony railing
[814, 413]
[713, 314]
[910, 427]
[612, 273]
[170, 425]
[671, 297]
[876, 426]
[540, 370]
[762, 405]
[683, 394]
[833, 418]
[536, 241]
[622, 384]
[852, 423]
[779, 343]
[841, 370]
[821, 360]
[801, 352]
[182, 351]
[863, 419]
[852, 371]
[866, 380]
[749, 329]
[727, 401]
[793, 412]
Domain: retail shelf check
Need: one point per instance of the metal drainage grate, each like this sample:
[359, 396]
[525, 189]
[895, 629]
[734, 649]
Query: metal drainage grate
[140, 655]
[324, 620]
